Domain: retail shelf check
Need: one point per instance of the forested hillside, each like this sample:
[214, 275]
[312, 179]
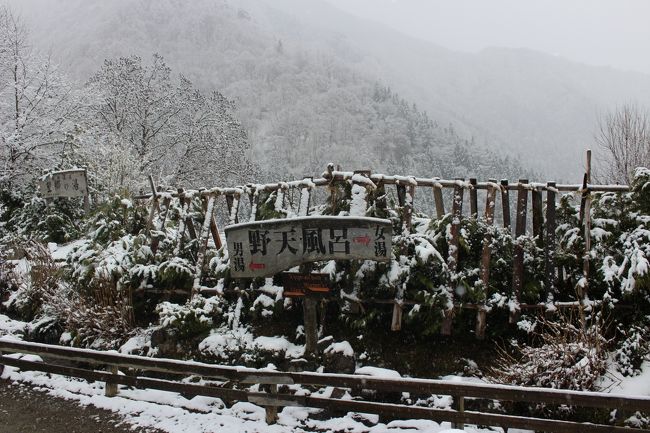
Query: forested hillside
[304, 73]
[301, 103]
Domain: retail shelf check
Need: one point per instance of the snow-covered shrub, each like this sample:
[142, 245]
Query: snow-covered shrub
[194, 318]
[39, 283]
[565, 356]
[632, 350]
[55, 220]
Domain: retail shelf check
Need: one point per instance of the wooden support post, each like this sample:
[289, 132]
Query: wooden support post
[2, 367]
[254, 199]
[214, 229]
[408, 209]
[161, 227]
[188, 219]
[305, 199]
[181, 222]
[272, 411]
[111, 389]
[440, 204]
[310, 314]
[459, 405]
[380, 194]
[154, 203]
[538, 216]
[505, 203]
[203, 245]
[518, 256]
[401, 194]
[452, 260]
[396, 321]
[550, 280]
[473, 199]
[232, 201]
[481, 312]
[587, 233]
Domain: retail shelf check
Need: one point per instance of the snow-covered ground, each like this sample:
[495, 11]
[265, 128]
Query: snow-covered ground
[174, 413]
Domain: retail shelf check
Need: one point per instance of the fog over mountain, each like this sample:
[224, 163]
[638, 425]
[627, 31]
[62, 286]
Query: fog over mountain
[306, 76]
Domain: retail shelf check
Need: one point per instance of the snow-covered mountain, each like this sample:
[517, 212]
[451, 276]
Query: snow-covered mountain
[304, 76]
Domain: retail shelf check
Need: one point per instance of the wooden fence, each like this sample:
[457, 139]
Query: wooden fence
[542, 223]
[279, 396]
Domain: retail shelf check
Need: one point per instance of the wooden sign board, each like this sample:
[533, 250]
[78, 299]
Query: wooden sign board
[67, 183]
[265, 248]
[296, 285]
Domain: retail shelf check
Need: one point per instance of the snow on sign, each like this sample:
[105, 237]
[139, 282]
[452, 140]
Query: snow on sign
[67, 183]
[264, 248]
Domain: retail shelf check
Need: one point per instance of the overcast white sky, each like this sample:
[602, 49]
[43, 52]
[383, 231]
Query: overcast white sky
[600, 32]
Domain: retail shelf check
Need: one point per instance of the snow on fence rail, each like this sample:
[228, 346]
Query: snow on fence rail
[281, 397]
[541, 219]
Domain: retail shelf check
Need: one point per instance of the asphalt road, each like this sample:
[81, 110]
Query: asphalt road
[25, 410]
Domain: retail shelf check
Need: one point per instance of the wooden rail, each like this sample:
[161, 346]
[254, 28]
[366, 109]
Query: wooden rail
[272, 400]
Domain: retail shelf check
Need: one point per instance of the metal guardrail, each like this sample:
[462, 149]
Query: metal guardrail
[273, 399]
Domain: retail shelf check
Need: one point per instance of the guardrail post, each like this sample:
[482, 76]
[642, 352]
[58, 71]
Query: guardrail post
[458, 405]
[111, 388]
[272, 411]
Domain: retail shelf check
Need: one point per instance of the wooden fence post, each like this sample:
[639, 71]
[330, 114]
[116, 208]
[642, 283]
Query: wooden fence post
[505, 203]
[111, 390]
[473, 198]
[181, 222]
[587, 233]
[452, 260]
[459, 405]
[518, 256]
[154, 203]
[214, 229]
[203, 244]
[440, 204]
[550, 281]
[538, 216]
[232, 201]
[161, 227]
[272, 411]
[254, 198]
[305, 198]
[481, 313]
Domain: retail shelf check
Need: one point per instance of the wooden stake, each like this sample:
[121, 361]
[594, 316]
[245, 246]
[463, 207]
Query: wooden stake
[111, 390]
[538, 216]
[518, 258]
[154, 203]
[305, 199]
[587, 233]
[408, 209]
[203, 245]
[505, 203]
[440, 205]
[161, 227]
[485, 260]
[181, 222]
[214, 230]
[473, 199]
[550, 281]
[232, 202]
[310, 314]
[272, 411]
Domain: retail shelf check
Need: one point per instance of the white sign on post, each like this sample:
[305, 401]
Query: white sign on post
[67, 183]
[264, 248]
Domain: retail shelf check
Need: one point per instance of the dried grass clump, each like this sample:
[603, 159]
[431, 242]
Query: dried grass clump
[567, 355]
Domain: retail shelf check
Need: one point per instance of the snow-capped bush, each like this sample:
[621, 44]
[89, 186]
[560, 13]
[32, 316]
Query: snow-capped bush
[567, 355]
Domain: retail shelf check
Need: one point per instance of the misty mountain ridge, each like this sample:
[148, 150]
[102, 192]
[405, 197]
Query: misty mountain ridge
[306, 75]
